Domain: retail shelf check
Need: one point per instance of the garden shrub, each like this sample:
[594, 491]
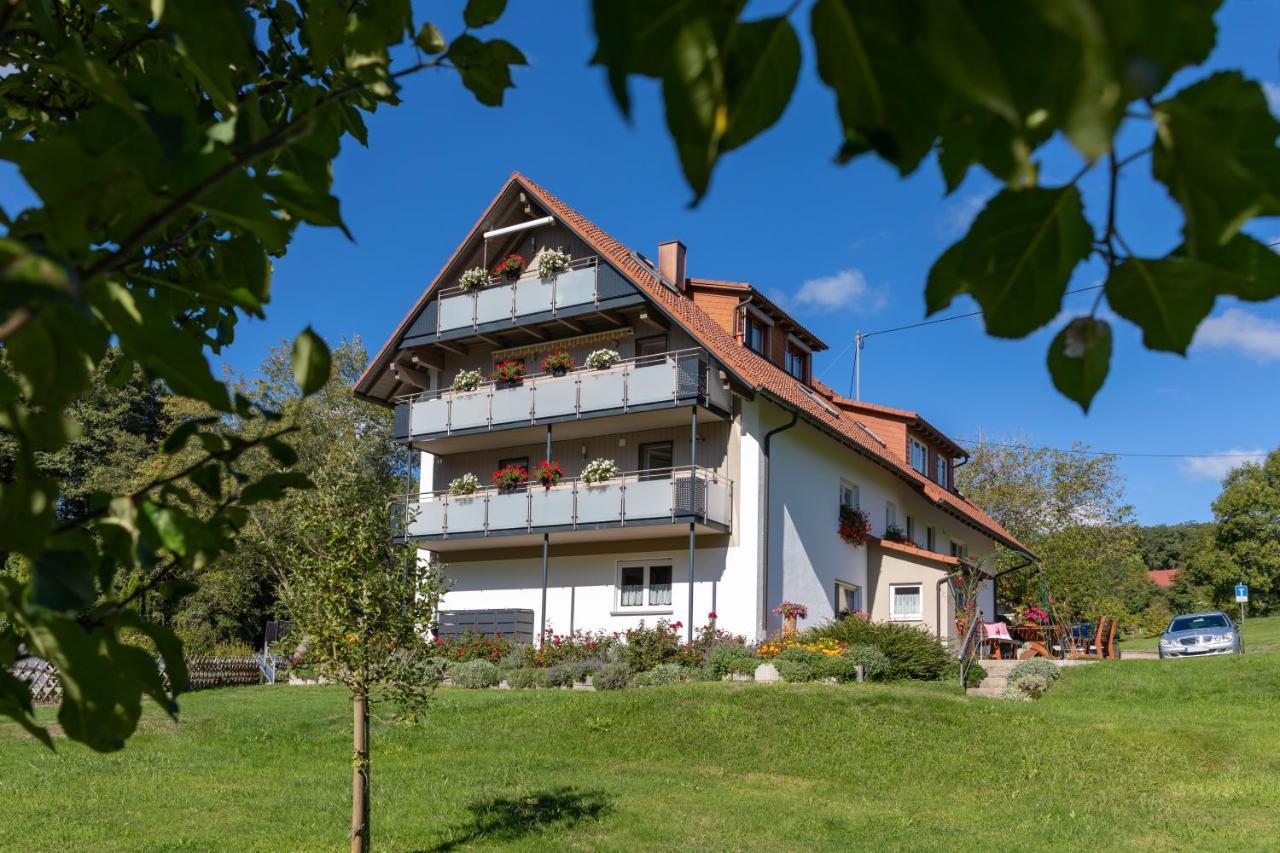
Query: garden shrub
[1042, 667]
[875, 665]
[729, 659]
[793, 670]
[838, 667]
[529, 677]
[1029, 686]
[560, 676]
[645, 647]
[613, 676]
[562, 648]
[912, 651]
[663, 673]
[469, 646]
[474, 674]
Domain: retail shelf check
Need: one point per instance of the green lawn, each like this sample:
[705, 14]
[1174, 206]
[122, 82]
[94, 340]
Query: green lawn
[1128, 754]
[1260, 635]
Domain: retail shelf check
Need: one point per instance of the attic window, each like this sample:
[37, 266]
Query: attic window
[826, 407]
[868, 431]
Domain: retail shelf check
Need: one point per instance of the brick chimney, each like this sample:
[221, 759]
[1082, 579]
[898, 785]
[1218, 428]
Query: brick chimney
[671, 262]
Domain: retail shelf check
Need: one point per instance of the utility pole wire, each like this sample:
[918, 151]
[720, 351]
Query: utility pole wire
[1083, 452]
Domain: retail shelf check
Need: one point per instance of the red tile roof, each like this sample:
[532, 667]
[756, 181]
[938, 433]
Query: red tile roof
[752, 370]
[1163, 577]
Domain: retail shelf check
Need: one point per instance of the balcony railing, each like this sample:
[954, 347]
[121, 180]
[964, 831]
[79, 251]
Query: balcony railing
[672, 378]
[531, 295]
[642, 497]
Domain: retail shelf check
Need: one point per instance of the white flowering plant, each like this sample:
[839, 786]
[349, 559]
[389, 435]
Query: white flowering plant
[552, 261]
[467, 380]
[602, 359]
[467, 484]
[599, 470]
[473, 278]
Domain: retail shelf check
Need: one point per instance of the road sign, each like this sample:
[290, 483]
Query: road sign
[1242, 593]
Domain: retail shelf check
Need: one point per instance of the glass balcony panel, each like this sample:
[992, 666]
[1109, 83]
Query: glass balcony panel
[469, 410]
[456, 311]
[648, 499]
[598, 503]
[602, 389]
[465, 515]
[493, 303]
[650, 384]
[428, 415]
[555, 396]
[507, 511]
[426, 518]
[552, 507]
[533, 296]
[511, 404]
[719, 497]
[576, 287]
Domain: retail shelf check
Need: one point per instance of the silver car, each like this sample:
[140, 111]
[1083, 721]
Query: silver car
[1199, 634]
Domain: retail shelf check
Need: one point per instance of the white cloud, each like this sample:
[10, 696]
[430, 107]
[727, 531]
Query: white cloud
[1243, 332]
[959, 214]
[846, 289]
[1217, 466]
[1272, 91]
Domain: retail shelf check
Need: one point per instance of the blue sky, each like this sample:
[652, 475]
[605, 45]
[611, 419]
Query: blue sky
[845, 247]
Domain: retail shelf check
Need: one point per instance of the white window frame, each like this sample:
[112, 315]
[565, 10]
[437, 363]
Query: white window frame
[959, 549]
[914, 445]
[890, 514]
[852, 490]
[646, 609]
[751, 314]
[940, 469]
[893, 599]
[848, 587]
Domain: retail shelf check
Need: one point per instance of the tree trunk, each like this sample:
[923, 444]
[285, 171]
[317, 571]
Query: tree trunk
[360, 774]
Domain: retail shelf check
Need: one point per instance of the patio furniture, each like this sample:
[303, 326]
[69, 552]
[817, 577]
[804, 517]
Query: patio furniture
[998, 642]
[1096, 647]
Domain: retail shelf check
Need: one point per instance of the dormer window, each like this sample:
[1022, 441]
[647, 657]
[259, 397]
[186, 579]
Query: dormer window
[797, 363]
[919, 457]
[755, 335]
[940, 471]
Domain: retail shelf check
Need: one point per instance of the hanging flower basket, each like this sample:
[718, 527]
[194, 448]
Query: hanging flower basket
[473, 279]
[854, 527]
[508, 374]
[511, 267]
[548, 473]
[558, 363]
[510, 478]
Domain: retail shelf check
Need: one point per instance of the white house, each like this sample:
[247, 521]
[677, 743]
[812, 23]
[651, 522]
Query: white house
[733, 461]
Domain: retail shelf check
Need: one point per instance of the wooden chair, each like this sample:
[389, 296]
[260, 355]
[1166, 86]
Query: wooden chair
[998, 642]
[1109, 649]
[1096, 648]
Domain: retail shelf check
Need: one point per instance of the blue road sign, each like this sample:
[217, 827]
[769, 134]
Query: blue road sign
[1242, 592]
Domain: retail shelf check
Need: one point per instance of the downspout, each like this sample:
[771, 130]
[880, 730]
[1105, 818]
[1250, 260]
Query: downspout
[762, 625]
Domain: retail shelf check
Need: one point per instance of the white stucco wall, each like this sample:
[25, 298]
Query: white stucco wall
[807, 468]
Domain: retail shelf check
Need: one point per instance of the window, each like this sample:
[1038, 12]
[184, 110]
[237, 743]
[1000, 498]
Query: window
[656, 461]
[651, 350]
[848, 494]
[940, 471]
[919, 457]
[642, 585]
[797, 363]
[959, 549]
[906, 602]
[929, 539]
[755, 335]
[911, 528]
[848, 597]
[890, 515]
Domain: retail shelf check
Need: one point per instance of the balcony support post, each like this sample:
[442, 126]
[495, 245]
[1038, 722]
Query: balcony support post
[693, 473]
[542, 632]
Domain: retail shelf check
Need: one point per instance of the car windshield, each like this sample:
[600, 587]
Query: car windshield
[1195, 623]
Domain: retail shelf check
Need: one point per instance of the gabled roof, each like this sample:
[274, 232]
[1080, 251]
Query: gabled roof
[913, 419]
[754, 371]
[748, 293]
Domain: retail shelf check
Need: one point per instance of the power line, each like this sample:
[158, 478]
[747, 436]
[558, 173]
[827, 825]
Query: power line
[866, 335]
[1083, 452]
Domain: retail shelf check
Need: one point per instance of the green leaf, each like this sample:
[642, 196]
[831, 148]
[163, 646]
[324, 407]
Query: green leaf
[1246, 269]
[1216, 152]
[209, 479]
[481, 13]
[238, 203]
[308, 203]
[282, 452]
[1079, 359]
[166, 527]
[215, 40]
[325, 26]
[62, 578]
[889, 101]
[762, 67]
[485, 66]
[183, 432]
[15, 703]
[272, 487]
[311, 363]
[170, 649]
[1166, 298]
[1016, 259]
[430, 40]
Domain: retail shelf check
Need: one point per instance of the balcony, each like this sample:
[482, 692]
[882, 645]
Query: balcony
[587, 286]
[646, 500]
[673, 379]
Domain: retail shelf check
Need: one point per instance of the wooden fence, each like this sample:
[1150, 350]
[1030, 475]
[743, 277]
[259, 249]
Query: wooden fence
[202, 674]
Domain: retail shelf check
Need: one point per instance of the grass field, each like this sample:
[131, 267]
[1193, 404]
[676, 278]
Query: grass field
[1260, 635]
[1128, 754]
